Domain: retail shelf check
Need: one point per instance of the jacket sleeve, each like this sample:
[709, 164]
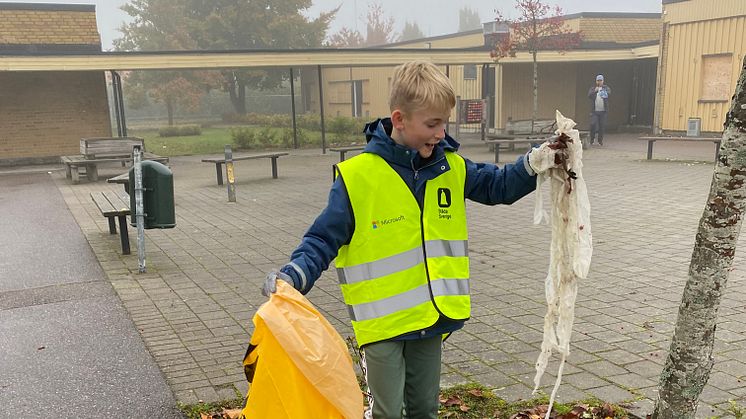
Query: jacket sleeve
[592, 93]
[331, 230]
[489, 184]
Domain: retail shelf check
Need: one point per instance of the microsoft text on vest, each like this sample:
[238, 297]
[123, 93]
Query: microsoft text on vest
[388, 221]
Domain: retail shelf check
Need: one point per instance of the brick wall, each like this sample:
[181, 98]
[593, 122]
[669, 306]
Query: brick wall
[44, 114]
[48, 27]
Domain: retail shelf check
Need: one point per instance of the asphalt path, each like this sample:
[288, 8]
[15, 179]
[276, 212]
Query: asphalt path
[67, 345]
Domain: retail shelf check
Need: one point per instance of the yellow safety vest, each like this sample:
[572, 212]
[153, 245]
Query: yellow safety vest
[403, 267]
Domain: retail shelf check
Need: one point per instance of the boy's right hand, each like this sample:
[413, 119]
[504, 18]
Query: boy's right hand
[270, 283]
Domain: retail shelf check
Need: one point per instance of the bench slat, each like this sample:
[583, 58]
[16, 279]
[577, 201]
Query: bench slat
[103, 204]
[108, 146]
[111, 204]
[119, 201]
[349, 148]
[244, 157]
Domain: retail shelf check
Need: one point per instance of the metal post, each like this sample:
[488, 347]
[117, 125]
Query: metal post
[115, 93]
[229, 177]
[448, 122]
[292, 107]
[458, 117]
[139, 210]
[121, 105]
[321, 110]
[485, 114]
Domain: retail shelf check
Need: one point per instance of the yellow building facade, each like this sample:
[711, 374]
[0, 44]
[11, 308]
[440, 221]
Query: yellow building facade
[364, 91]
[702, 47]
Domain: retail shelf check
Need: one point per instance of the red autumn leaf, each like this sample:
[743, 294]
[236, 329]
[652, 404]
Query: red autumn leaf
[453, 400]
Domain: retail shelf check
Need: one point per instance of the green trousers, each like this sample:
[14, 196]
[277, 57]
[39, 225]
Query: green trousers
[404, 378]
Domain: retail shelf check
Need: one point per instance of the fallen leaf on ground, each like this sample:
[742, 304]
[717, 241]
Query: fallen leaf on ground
[231, 413]
[476, 393]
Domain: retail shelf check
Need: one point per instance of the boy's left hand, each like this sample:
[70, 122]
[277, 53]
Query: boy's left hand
[270, 283]
[547, 155]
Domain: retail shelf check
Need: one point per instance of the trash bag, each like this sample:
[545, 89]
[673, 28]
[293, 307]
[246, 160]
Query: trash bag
[297, 364]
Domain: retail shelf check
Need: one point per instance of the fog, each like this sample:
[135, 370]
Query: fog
[434, 17]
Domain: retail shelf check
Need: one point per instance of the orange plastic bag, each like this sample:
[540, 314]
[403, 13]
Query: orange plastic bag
[301, 366]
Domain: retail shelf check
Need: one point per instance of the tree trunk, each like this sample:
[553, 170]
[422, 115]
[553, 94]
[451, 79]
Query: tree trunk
[170, 111]
[237, 91]
[535, 112]
[690, 361]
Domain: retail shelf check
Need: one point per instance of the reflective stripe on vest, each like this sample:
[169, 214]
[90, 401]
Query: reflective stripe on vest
[402, 261]
[403, 267]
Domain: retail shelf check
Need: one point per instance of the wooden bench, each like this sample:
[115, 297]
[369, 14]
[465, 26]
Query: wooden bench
[343, 150]
[123, 179]
[523, 126]
[103, 147]
[96, 150]
[496, 141]
[112, 205]
[651, 141]
[219, 162]
[74, 163]
[530, 140]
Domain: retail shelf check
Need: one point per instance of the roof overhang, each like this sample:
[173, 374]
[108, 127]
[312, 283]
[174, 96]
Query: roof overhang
[292, 58]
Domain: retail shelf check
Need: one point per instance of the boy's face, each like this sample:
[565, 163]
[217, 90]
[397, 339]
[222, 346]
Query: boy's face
[421, 130]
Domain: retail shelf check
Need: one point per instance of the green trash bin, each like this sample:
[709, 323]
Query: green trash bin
[157, 195]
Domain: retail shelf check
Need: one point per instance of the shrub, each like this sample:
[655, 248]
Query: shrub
[309, 121]
[243, 138]
[180, 131]
[265, 136]
[286, 137]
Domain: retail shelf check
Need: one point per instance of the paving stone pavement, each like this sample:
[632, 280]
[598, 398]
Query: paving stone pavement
[194, 306]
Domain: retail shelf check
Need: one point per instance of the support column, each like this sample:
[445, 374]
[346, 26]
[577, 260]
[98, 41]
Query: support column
[321, 110]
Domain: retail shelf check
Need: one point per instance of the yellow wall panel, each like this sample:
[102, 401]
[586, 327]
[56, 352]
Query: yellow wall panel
[697, 10]
[688, 44]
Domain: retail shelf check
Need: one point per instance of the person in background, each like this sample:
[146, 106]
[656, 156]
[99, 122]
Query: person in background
[599, 97]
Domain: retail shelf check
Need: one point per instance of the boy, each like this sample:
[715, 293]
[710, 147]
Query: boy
[396, 222]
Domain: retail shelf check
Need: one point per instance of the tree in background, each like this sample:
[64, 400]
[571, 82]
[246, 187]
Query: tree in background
[411, 31]
[161, 29]
[346, 38]
[379, 31]
[174, 89]
[689, 362]
[224, 25]
[539, 27]
[468, 19]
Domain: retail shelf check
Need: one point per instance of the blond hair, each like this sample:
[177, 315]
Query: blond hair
[419, 85]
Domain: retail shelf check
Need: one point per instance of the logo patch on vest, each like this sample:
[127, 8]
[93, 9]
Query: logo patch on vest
[444, 197]
[378, 224]
[444, 202]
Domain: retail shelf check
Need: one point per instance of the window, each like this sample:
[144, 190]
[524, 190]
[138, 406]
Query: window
[716, 78]
[470, 72]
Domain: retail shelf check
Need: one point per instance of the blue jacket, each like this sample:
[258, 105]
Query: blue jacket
[333, 228]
